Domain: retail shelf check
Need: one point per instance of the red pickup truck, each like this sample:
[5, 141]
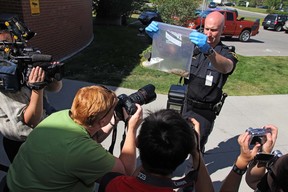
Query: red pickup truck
[234, 27]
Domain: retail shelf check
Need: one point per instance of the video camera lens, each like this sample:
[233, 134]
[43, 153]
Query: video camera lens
[277, 153]
[55, 71]
[144, 95]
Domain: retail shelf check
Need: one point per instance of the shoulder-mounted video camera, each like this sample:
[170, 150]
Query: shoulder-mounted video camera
[17, 60]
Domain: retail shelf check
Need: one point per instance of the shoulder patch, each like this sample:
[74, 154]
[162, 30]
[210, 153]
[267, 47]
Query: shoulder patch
[234, 55]
[231, 48]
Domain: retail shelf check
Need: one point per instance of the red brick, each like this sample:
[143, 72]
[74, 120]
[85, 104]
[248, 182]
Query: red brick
[63, 27]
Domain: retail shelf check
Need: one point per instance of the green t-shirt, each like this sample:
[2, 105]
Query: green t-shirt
[59, 155]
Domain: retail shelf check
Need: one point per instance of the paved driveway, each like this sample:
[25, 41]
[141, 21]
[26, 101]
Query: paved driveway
[266, 43]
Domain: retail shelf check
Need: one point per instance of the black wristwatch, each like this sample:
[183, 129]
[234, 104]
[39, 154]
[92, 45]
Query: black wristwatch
[210, 51]
[238, 171]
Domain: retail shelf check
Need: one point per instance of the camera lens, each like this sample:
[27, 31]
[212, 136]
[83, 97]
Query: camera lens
[144, 95]
[277, 153]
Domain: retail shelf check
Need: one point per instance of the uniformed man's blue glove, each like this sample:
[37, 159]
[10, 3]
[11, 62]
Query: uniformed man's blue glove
[152, 28]
[200, 40]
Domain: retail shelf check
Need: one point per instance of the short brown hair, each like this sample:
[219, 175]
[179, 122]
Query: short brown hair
[92, 103]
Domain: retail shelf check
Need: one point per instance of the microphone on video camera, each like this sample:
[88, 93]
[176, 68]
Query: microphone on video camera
[36, 58]
[41, 58]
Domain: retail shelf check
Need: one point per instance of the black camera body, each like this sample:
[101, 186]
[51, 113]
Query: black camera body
[267, 160]
[258, 135]
[31, 57]
[55, 71]
[144, 95]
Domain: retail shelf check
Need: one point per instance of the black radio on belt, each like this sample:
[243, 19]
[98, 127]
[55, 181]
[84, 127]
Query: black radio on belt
[176, 96]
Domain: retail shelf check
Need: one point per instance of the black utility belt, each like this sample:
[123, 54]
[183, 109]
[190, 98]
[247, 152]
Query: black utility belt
[200, 105]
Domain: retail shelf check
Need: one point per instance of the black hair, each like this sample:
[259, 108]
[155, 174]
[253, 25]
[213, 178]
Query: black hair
[164, 141]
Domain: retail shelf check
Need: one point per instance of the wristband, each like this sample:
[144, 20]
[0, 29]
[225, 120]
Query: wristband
[36, 85]
[238, 171]
[210, 52]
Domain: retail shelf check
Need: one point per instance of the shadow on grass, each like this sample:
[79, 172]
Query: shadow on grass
[114, 59]
[111, 57]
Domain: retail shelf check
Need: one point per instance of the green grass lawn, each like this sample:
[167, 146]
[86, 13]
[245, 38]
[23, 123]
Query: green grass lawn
[253, 9]
[114, 58]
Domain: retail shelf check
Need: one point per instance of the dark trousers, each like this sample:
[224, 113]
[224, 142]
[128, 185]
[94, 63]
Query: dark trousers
[205, 118]
[11, 147]
[3, 185]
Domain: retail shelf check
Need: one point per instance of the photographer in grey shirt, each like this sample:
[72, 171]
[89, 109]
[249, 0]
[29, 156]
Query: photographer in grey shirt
[22, 110]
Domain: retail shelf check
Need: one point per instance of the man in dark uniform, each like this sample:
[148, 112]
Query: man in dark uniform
[212, 63]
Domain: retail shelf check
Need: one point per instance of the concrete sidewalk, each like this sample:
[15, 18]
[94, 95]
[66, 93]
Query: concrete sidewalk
[238, 113]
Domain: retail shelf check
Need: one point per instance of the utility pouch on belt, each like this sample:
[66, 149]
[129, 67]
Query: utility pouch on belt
[218, 106]
[176, 96]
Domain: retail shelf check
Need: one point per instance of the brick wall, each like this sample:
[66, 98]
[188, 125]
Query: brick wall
[63, 27]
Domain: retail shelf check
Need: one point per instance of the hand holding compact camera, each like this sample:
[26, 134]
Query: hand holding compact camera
[258, 135]
[265, 136]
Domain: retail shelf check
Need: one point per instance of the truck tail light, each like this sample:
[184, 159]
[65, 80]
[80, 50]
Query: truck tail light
[191, 25]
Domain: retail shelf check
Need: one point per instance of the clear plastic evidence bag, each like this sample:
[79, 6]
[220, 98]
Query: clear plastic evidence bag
[171, 50]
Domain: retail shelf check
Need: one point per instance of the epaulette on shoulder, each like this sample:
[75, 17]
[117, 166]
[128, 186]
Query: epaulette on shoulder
[230, 47]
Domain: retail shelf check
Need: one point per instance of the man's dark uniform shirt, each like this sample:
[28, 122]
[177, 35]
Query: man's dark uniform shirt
[201, 67]
[204, 89]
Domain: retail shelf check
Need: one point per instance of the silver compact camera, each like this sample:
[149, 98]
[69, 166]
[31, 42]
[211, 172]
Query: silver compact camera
[258, 135]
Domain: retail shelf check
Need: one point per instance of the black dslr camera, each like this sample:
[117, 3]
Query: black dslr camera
[258, 135]
[144, 95]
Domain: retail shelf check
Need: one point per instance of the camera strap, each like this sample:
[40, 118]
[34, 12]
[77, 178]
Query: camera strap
[189, 179]
[4, 168]
[124, 133]
[36, 85]
[114, 135]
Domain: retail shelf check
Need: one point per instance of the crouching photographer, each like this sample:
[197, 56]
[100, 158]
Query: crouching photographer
[63, 153]
[22, 86]
[164, 142]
